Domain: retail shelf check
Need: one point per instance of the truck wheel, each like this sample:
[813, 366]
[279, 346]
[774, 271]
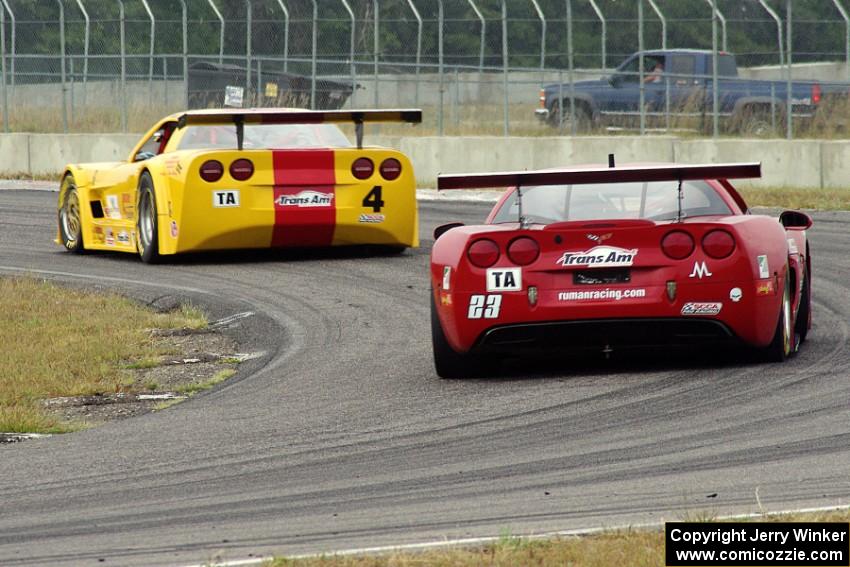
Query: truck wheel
[583, 119]
[757, 123]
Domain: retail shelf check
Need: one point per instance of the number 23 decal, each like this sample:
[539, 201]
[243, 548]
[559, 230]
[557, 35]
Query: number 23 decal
[373, 199]
[484, 306]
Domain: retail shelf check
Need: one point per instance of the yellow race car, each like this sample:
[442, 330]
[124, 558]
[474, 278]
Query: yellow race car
[228, 179]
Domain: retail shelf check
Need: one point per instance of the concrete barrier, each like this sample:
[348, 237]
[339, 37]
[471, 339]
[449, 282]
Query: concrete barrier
[805, 164]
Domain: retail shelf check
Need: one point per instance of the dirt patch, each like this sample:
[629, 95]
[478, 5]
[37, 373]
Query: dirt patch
[199, 360]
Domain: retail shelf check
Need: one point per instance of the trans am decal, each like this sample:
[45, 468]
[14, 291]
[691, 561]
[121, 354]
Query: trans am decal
[304, 198]
[600, 257]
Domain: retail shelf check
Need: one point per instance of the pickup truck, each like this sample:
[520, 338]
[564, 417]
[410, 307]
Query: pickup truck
[678, 91]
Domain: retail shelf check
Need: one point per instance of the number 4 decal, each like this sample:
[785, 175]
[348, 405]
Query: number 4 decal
[486, 306]
[373, 199]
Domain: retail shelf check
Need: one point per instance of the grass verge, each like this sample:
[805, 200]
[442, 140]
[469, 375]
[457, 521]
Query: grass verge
[63, 342]
[791, 198]
[624, 548]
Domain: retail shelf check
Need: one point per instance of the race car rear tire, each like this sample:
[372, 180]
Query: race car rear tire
[783, 344]
[801, 325]
[447, 361]
[70, 219]
[147, 224]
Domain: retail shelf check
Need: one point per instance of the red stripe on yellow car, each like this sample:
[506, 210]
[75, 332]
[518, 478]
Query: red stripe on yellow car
[304, 198]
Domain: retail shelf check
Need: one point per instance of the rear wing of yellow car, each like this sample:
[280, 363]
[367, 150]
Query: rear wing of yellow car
[286, 116]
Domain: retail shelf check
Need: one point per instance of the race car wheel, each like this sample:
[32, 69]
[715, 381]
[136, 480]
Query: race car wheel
[783, 344]
[448, 362]
[70, 221]
[801, 325]
[147, 229]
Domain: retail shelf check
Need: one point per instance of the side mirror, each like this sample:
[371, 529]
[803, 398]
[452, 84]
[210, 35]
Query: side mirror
[443, 228]
[615, 80]
[795, 220]
[142, 156]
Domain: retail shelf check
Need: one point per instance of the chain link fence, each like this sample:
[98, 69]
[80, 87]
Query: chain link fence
[474, 66]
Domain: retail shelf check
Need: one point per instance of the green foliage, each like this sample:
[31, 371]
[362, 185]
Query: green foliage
[752, 34]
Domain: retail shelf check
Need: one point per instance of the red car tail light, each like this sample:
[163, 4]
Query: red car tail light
[483, 253]
[362, 168]
[718, 244]
[211, 171]
[390, 169]
[241, 169]
[677, 244]
[523, 250]
[816, 94]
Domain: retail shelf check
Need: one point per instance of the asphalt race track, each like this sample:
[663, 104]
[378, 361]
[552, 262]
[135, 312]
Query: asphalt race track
[344, 437]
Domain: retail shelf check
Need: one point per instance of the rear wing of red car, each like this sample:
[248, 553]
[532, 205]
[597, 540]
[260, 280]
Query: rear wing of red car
[286, 116]
[628, 174]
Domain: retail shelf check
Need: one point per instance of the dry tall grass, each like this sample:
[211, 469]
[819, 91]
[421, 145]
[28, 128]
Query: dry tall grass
[63, 342]
[623, 548]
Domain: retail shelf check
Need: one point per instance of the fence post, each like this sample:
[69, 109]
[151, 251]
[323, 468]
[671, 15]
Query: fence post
[418, 47]
[376, 46]
[507, 127]
[440, 23]
[719, 15]
[221, 35]
[481, 19]
[3, 69]
[86, 39]
[351, 49]
[314, 69]
[573, 128]
[778, 21]
[789, 101]
[542, 33]
[122, 23]
[165, 82]
[62, 63]
[185, 23]
[14, 44]
[641, 84]
[601, 17]
[715, 100]
[846, 36]
[285, 35]
[663, 23]
[249, 64]
[151, 50]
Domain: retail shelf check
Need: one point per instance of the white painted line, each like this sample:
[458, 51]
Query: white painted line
[491, 539]
[101, 278]
[243, 356]
[231, 319]
[24, 436]
[165, 396]
[30, 184]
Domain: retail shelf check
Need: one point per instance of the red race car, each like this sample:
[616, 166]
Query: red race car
[613, 258]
